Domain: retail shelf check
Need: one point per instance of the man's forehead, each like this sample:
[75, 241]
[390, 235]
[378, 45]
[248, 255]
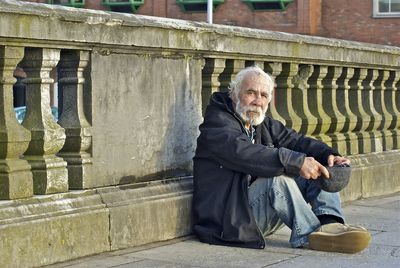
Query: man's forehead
[255, 78]
[254, 82]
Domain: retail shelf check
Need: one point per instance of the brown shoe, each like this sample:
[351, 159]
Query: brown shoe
[337, 237]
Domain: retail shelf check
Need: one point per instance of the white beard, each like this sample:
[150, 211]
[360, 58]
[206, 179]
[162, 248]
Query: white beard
[253, 115]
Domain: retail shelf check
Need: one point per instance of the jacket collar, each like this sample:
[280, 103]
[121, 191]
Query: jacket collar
[223, 101]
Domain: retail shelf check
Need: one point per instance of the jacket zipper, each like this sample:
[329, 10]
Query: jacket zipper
[262, 240]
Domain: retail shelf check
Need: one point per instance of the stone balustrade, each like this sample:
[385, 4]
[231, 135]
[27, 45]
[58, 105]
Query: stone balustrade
[353, 109]
[56, 152]
[131, 93]
[144, 83]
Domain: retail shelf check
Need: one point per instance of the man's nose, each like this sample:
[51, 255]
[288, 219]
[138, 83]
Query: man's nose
[258, 100]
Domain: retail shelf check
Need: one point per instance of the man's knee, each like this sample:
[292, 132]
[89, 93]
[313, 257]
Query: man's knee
[284, 182]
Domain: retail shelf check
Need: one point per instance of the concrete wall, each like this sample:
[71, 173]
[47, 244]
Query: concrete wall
[54, 228]
[145, 116]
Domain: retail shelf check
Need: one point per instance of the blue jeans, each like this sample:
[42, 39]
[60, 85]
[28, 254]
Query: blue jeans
[295, 202]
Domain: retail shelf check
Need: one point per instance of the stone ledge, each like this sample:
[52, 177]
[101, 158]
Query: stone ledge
[155, 212]
[47, 229]
[49, 206]
[45, 24]
[368, 171]
[45, 240]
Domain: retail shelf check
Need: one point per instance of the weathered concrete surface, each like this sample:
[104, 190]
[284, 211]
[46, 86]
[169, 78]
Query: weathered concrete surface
[59, 227]
[379, 215]
[47, 229]
[54, 228]
[156, 212]
[153, 103]
[373, 174]
[379, 179]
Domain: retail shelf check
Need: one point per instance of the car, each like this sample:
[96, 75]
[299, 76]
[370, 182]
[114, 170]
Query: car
[20, 113]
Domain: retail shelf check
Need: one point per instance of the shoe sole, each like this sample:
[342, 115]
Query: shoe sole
[347, 242]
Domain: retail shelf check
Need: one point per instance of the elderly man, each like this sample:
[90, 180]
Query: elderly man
[252, 175]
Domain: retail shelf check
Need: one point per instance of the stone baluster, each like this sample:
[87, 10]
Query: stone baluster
[274, 69]
[343, 104]
[332, 106]
[232, 67]
[284, 97]
[257, 63]
[378, 96]
[318, 102]
[375, 119]
[395, 99]
[383, 108]
[77, 129]
[308, 123]
[50, 174]
[389, 98]
[210, 79]
[15, 173]
[357, 103]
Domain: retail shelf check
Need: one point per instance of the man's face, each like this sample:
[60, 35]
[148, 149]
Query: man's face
[253, 99]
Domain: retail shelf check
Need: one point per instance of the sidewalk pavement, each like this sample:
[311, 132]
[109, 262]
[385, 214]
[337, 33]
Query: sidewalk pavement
[380, 215]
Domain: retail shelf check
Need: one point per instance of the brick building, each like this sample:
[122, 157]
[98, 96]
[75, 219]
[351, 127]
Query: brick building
[373, 21]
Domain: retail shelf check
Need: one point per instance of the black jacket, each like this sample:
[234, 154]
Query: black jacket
[224, 161]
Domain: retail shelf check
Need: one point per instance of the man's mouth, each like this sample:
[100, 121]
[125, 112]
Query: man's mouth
[251, 112]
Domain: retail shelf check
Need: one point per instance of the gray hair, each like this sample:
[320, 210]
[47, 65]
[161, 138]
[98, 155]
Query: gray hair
[236, 84]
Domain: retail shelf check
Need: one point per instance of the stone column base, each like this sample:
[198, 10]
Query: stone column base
[50, 174]
[15, 179]
[79, 170]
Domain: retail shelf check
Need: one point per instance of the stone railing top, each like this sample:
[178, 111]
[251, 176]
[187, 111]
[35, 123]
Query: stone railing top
[84, 27]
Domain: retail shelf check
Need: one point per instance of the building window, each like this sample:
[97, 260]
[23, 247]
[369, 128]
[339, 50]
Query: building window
[386, 8]
[124, 6]
[70, 3]
[196, 5]
[269, 5]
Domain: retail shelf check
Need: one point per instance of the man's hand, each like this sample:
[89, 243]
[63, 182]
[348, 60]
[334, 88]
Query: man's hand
[337, 160]
[312, 169]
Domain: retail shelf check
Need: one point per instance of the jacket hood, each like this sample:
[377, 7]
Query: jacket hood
[223, 101]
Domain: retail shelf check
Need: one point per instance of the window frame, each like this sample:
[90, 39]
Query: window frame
[282, 3]
[377, 14]
[186, 5]
[132, 5]
[71, 3]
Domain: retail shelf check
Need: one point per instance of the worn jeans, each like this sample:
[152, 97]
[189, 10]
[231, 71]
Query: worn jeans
[295, 202]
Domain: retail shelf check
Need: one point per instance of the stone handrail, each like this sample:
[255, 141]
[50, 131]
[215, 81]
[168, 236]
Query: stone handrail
[134, 88]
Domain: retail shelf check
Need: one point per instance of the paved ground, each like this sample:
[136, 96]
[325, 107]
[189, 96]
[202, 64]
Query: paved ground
[380, 215]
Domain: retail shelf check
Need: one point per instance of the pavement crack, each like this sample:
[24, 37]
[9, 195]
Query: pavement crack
[282, 261]
[124, 264]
